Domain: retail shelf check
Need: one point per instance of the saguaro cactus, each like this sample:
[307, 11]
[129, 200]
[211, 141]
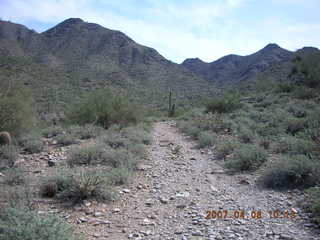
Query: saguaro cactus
[171, 107]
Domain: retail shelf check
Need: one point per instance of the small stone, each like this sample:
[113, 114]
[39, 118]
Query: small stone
[87, 203]
[193, 158]
[149, 202]
[126, 190]
[285, 236]
[88, 211]
[96, 235]
[164, 200]
[181, 206]
[196, 233]
[51, 163]
[98, 214]
[116, 210]
[83, 219]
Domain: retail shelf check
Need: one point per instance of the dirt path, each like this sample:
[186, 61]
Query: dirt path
[169, 199]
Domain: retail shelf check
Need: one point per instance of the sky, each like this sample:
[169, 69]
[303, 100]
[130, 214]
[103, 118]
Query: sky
[180, 29]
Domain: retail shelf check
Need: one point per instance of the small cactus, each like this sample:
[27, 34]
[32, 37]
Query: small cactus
[5, 138]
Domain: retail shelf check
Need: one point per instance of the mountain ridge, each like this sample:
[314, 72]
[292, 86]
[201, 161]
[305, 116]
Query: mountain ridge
[235, 68]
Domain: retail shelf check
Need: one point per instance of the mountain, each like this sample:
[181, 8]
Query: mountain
[234, 68]
[81, 56]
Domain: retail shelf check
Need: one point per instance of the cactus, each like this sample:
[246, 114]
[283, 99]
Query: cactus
[171, 106]
[5, 138]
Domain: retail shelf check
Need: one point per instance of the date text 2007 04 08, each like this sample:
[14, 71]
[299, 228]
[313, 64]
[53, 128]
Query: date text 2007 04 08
[255, 214]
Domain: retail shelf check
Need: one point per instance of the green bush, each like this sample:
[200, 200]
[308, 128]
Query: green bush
[206, 139]
[76, 186]
[118, 176]
[246, 135]
[246, 157]
[291, 172]
[292, 145]
[14, 176]
[91, 154]
[52, 131]
[295, 125]
[8, 155]
[114, 140]
[285, 87]
[226, 147]
[137, 134]
[307, 69]
[105, 108]
[85, 132]
[315, 203]
[66, 139]
[223, 104]
[16, 109]
[17, 224]
[31, 142]
[303, 92]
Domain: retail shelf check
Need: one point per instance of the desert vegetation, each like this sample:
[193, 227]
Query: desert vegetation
[274, 129]
[102, 137]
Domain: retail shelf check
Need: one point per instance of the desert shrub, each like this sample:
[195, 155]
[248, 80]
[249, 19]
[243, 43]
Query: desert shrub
[265, 143]
[314, 205]
[8, 155]
[105, 108]
[291, 172]
[223, 104]
[303, 92]
[113, 139]
[269, 129]
[14, 176]
[307, 70]
[120, 158]
[206, 139]
[246, 135]
[16, 108]
[285, 87]
[53, 185]
[246, 157]
[91, 154]
[297, 111]
[192, 131]
[76, 186]
[66, 139]
[295, 125]
[226, 147]
[137, 149]
[137, 134]
[52, 131]
[292, 145]
[85, 132]
[118, 176]
[18, 224]
[31, 142]
[98, 154]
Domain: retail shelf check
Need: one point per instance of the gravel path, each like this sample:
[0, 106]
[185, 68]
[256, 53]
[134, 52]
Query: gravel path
[175, 188]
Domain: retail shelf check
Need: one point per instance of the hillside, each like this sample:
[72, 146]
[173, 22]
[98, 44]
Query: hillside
[81, 56]
[234, 68]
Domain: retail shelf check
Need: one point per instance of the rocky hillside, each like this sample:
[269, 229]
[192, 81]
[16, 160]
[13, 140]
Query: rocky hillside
[234, 68]
[80, 55]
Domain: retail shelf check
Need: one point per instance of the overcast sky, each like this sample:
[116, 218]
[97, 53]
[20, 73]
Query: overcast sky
[180, 29]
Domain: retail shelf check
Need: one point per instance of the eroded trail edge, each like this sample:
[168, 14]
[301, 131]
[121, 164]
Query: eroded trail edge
[179, 183]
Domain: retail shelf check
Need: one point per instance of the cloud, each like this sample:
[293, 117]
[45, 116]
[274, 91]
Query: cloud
[178, 29]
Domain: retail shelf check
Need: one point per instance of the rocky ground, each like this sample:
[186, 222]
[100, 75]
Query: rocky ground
[178, 185]
[182, 192]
